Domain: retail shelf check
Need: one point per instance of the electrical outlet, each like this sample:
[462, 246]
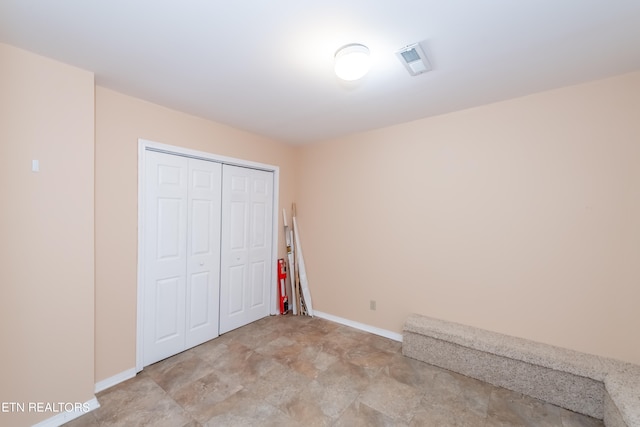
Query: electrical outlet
[372, 305]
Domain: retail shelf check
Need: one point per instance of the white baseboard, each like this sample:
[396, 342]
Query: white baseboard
[116, 379]
[357, 325]
[65, 417]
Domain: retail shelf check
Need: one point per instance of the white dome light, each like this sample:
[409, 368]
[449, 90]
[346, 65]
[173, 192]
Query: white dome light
[352, 61]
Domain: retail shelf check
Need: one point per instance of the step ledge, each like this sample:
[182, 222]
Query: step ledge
[621, 381]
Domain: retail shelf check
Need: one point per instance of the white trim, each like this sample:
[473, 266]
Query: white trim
[143, 146]
[114, 380]
[357, 325]
[140, 288]
[65, 417]
[275, 306]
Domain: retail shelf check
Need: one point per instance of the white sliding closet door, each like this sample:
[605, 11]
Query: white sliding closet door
[246, 270]
[182, 254]
[203, 252]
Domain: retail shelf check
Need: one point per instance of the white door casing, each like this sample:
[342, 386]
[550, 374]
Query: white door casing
[246, 266]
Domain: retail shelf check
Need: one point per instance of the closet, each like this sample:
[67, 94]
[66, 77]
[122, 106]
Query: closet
[207, 264]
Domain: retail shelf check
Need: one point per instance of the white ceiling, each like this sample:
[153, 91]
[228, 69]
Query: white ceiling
[267, 66]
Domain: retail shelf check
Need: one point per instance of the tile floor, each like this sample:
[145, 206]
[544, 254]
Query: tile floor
[301, 371]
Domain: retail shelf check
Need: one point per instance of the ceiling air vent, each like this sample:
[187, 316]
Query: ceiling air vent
[414, 59]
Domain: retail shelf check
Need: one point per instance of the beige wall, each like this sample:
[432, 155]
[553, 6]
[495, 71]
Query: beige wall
[46, 220]
[521, 217]
[120, 121]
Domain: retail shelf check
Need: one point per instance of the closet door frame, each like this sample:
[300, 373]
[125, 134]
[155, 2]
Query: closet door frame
[143, 147]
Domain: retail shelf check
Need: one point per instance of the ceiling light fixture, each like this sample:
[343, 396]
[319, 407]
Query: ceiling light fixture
[352, 61]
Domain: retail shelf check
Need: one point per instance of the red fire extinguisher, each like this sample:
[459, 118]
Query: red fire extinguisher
[282, 275]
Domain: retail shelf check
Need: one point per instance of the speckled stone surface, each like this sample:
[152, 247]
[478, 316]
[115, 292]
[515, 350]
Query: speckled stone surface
[596, 386]
[545, 355]
[570, 391]
[612, 416]
[623, 387]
